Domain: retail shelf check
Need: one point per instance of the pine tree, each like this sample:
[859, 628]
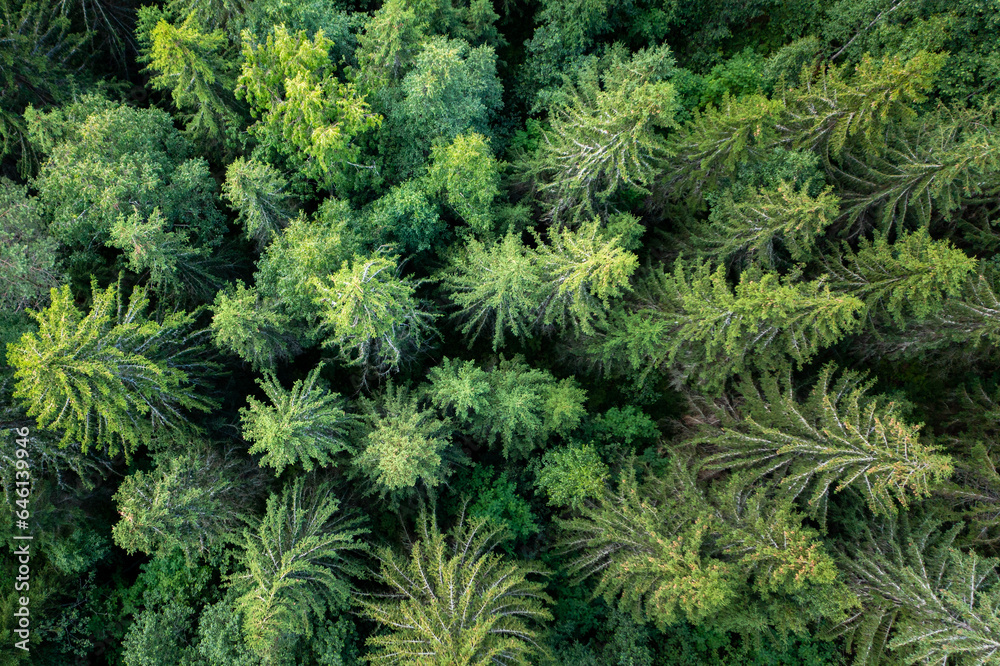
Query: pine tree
[290, 85]
[388, 45]
[28, 260]
[306, 425]
[258, 193]
[755, 226]
[451, 599]
[404, 445]
[497, 289]
[252, 327]
[372, 315]
[293, 565]
[909, 279]
[582, 270]
[193, 501]
[604, 135]
[113, 377]
[922, 598]
[665, 552]
[693, 323]
[840, 437]
[187, 62]
[513, 404]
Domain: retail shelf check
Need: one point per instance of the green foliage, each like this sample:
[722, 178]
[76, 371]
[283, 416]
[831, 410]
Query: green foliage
[306, 425]
[192, 502]
[372, 315]
[498, 499]
[468, 176]
[250, 326]
[908, 279]
[512, 403]
[110, 378]
[188, 63]
[388, 45]
[838, 438]
[473, 606]
[28, 255]
[451, 89]
[404, 445]
[757, 225]
[109, 161]
[604, 134]
[258, 194]
[497, 288]
[405, 220]
[737, 560]
[923, 598]
[293, 564]
[572, 475]
[289, 83]
[693, 323]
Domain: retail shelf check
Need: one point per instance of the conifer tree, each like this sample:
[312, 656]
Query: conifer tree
[28, 259]
[468, 176]
[452, 599]
[923, 599]
[293, 565]
[258, 193]
[909, 279]
[290, 85]
[388, 45]
[110, 378]
[252, 327]
[188, 63]
[496, 287]
[193, 501]
[582, 270]
[306, 425]
[604, 134]
[404, 446]
[372, 315]
[665, 552]
[755, 226]
[513, 404]
[692, 322]
[838, 437]
[174, 266]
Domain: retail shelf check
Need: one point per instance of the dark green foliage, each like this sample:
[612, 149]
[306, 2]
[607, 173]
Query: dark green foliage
[298, 234]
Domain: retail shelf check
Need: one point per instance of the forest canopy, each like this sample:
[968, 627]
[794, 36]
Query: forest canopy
[498, 332]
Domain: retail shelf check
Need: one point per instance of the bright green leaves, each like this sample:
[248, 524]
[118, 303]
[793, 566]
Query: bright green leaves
[838, 437]
[453, 600]
[371, 314]
[289, 83]
[908, 279]
[572, 475]
[306, 425]
[404, 444]
[251, 327]
[567, 283]
[110, 378]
